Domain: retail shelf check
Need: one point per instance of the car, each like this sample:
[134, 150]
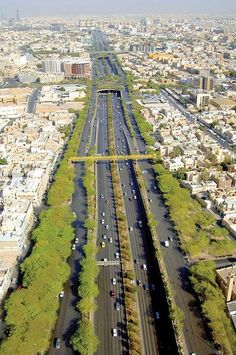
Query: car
[171, 239]
[112, 293]
[107, 226]
[73, 247]
[117, 255]
[117, 306]
[131, 183]
[57, 343]
[131, 229]
[76, 240]
[125, 194]
[140, 224]
[103, 214]
[14, 280]
[104, 237]
[144, 267]
[157, 315]
[61, 294]
[101, 196]
[110, 240]
[114, 332]
[139, 283]
[113, 281]
[154, 187]
[136, 261]
[133, 191]
[146, 287]
[102, 221]
[127, 164]
[107, 202]
[144, 171]
[150, 200]
[103, 244]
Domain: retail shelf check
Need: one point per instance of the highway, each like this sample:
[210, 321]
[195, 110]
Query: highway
[107, 317]
[196, 339]
[152, 298]
[195, 334]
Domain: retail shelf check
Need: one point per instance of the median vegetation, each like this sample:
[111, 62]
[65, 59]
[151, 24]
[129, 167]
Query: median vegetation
[31, 311]
[132, 318]
[203, 279]
[85, 340]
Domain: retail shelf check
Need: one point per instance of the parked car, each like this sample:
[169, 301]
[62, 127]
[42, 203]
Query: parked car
[57, 343]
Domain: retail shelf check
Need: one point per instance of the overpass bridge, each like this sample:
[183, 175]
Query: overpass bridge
[96, 158]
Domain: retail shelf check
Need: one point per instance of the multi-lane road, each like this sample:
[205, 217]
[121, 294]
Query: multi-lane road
[156, 329]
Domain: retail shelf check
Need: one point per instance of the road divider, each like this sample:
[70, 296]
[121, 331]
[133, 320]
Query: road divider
[131, 309]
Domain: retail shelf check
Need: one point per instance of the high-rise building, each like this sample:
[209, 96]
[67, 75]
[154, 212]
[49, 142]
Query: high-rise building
[52, 66]
[17, 15]
[205, 83]
[77, 69]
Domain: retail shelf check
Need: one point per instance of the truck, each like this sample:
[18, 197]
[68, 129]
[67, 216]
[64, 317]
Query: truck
[166, 243]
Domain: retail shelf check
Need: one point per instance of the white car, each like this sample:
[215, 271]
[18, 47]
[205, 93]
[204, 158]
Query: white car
[113, 281]
[73, 247]
[76, 240]
[110, 240]
[102, 221]
[104, 237]
[144, 266]
[131, 229]
[114, 332]
[107, 226]
[61, 295]
[117, 255]
[103, 214]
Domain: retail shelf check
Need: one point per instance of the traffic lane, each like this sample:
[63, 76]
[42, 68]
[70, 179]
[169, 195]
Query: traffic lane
[105, 188]
[133, 214]
[177, 269]
[136, 239]
[138, 249]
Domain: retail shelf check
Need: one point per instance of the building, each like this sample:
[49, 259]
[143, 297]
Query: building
[202, 100]
[205, 83]
[227, 281]
[52, 66]
[77, 69]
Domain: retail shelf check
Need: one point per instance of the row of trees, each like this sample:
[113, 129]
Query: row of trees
[133, 326]
[203, 279]
[199, 234]
[31, 311]
[144, 127]
[85, 340]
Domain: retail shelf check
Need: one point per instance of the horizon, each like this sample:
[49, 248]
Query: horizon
[70, 8]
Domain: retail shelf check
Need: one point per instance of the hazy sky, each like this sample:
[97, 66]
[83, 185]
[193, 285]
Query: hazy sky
[77, 7]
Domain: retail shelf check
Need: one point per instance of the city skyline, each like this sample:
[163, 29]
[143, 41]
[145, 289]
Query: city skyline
[99, 7]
